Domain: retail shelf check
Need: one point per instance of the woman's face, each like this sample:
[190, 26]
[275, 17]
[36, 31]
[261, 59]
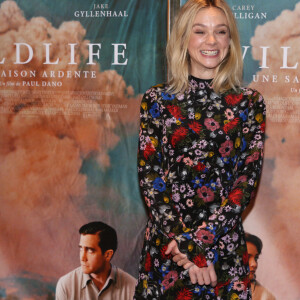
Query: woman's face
[209, 42]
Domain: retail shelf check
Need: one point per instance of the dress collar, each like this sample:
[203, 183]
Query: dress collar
[199, 80]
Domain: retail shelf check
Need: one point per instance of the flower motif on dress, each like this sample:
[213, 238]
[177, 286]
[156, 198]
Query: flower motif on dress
[148, 263]
[154, 110]
[226, 148]
[204, 236]
[251, 158]
[211, 124]
[231, 125]
[184, 294]
[170, 279]
[229, 114]
[166, 96]
[149, 150]
[206, 194]
[178, 135]
[159, 184]
[175, 112]
[200, 261]
[232, 99]
[195, 126]
[235, 196]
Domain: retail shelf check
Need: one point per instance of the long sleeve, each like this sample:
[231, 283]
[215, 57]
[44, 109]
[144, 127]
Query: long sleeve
[246, 178]
[150, 167]
[152, 174]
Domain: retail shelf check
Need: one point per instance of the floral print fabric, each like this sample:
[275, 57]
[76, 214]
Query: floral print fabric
[199, 164]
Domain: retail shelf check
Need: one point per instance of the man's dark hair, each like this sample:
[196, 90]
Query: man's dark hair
[107, 235]
[255, 240]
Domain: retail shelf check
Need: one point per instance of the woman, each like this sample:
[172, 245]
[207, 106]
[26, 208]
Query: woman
[199, 162]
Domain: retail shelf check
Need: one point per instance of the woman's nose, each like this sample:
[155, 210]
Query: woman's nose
[211, 38]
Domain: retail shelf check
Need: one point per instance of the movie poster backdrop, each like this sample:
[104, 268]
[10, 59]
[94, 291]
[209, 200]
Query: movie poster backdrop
[72, 74]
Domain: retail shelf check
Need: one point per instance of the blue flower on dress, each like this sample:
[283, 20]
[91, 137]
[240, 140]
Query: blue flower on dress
[154, 110]
[244, 144]
[198, 290]
[159, 184]
[244, 115]
[211, 185]
[167, 96]
[197, 182]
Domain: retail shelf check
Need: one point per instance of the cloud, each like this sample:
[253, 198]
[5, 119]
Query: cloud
[277, 205]
[44, 142]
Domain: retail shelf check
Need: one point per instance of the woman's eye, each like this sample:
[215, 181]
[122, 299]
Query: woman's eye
[199, 32]
[222, 32]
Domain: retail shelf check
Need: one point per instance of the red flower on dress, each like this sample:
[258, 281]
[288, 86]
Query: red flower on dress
[245, 258]
[199, 167]
[246, 282]
[149, 150]
[163, 254]
[200, 261]
[184, 294]
[205, 236]
[251, 158]
[235, 196]
[175, 112]
[211, 124]
[178, 135]
[220, 285]
[206, 194]
[195, 126]
[170, 279]
[231, 124]
[263, 126]
[233, 99]
[148, 263]
[226, 148]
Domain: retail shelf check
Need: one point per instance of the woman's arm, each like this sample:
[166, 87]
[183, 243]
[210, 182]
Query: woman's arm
[246, 178]
[152, 177]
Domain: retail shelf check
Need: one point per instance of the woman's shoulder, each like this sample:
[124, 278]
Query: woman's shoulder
[245, 93]
[157, 89]
[250, 91]
[159, 92]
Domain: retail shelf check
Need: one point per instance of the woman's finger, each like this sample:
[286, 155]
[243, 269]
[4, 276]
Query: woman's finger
[212, 275]
[193, 276]
[206, 276]
[171, 247]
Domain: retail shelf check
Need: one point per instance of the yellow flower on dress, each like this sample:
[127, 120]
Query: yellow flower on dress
[259, 117]
[234, 297]
[211, 154]
[237, 142]
[190, 247]
[145, 284]
[185, 229]
[142, 163]
[154, 141]
[197, 116]
[166, 199]
[178, 122]
[144, 106]
[157, 242]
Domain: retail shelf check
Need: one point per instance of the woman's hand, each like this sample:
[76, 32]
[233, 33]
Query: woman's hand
[206, 275]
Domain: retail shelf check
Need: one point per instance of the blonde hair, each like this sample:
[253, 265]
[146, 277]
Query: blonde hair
[229, 73]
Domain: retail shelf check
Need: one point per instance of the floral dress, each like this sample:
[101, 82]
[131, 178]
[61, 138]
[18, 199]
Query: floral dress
[199, 164]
